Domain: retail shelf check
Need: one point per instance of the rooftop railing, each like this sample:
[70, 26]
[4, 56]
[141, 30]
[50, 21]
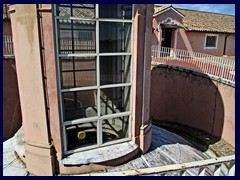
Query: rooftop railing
[67, 46]
[8, 47]
[219, 67]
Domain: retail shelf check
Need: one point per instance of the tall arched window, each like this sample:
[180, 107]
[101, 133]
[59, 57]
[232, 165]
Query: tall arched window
[94, 58]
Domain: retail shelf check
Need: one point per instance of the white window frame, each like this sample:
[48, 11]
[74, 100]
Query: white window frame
[216, 35]
[97, 54]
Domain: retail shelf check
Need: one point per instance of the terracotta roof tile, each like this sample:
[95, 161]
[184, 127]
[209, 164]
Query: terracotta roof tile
[79, 10]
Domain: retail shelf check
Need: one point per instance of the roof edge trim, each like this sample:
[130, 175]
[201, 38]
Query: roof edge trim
[172, 8]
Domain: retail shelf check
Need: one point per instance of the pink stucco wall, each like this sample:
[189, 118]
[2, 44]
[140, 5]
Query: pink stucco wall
[193, 100]
[163, 16]
[197, 40]
[155, 33]
[175, 16]
[7, 29]
[230, 47]
[12, 119]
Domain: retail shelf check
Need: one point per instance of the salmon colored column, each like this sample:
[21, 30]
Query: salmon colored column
[39, 158]
[50, 70]
[141, 127]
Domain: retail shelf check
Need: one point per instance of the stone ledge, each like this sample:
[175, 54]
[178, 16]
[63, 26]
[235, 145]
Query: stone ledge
[100, 155]
[184, 69]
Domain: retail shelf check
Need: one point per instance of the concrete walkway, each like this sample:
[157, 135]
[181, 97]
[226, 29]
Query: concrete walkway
[12, 165]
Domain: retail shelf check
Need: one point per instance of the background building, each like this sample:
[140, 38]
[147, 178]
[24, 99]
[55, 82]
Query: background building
[192, 30]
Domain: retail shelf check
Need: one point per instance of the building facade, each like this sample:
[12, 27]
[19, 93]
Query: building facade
[192, 30]
[83, 73]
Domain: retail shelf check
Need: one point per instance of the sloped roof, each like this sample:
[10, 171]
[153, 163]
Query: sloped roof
[80, 11]
[161, 8]
[204, 21]
[83, 11]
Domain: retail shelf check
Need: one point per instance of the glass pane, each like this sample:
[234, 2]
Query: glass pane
[114, 100]
[211, 41]
[115, 69]
[78, 72]
[79, 104]
[76, 10]
[117, 11]
[115, 128]
[115, 37]
[76, 36]
[81, 135]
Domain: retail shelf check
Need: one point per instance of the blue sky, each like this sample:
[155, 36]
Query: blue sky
[217, 8]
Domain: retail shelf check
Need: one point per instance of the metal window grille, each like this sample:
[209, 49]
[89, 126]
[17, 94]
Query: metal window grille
[211, 41]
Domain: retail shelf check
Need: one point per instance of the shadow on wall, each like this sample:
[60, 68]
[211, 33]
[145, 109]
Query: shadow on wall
[12, 118]
[183, 97]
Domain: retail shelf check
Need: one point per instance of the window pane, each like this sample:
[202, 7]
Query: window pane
[81, 135]
[117, 11]
[211, 41]
[115, 128]
[115, 37]
[76, 36]
[76, 10]
[79, 104]
[115, 69]
[78, 72]
[115, 100]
